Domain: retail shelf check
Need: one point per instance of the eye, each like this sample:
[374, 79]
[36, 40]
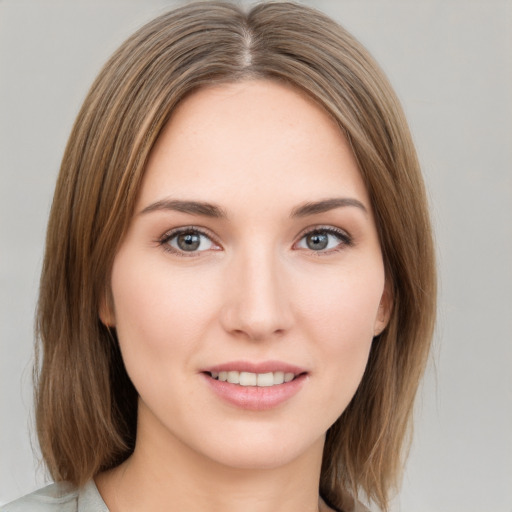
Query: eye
[324, 240]
[187, 241]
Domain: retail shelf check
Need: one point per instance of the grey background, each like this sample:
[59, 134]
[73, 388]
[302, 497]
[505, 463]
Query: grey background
[451, 63]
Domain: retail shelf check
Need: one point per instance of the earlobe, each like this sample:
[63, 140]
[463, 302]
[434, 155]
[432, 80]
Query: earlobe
[384, 311]
[106, 310]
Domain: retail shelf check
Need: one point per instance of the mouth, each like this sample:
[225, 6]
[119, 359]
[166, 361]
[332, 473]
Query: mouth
[256, 386]
[262, 380]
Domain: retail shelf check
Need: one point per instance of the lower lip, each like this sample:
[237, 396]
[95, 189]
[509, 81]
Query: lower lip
[255, 398]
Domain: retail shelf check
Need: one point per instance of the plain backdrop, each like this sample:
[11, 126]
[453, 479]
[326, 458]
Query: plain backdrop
[451, 64]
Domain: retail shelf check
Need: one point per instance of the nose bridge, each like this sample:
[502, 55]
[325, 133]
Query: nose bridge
[257, 303]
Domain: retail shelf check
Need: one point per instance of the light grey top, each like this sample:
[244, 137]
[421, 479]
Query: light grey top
[60, 497]
[65, 497]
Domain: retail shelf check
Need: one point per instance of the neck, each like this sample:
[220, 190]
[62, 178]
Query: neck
[172, 477]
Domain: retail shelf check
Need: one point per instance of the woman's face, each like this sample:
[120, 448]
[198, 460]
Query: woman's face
[253, 256]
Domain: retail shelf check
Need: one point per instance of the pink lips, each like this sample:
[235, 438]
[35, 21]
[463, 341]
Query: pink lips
[255, 398]
[263, 367]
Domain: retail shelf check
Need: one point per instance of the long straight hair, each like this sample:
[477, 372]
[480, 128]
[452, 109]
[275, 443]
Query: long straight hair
[86, 406]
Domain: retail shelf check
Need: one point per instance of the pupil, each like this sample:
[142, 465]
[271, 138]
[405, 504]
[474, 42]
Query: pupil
[188, 241]
[317, 241]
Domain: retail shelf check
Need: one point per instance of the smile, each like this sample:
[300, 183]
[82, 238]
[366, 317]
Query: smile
[255, 386]
[253, 379]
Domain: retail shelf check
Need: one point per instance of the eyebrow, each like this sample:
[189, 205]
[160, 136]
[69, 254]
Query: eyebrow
[191, 207]
[211, 210]
[312, 208]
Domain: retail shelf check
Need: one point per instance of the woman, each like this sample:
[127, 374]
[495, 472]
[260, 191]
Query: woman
[238, 292]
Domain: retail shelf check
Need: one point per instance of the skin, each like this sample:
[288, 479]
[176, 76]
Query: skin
[253, 291]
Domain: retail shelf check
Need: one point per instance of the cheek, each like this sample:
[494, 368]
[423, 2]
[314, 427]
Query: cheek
[343, 305]
[339, 315]
[158, 315]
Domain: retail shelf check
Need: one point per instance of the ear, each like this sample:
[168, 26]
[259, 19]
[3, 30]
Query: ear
[106, 310]
[384, 311]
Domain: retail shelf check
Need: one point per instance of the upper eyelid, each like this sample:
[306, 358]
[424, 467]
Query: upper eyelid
[171, 233]
[164, 241]
[323, 227]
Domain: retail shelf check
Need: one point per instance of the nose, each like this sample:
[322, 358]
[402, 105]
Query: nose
[257, 300]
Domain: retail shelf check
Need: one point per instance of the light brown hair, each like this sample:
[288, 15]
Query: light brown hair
[86, 406]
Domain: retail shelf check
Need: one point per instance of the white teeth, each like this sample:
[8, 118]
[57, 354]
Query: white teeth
[248, 379]
[288, 377]
[234, 377]
[254, 379]
[265, 379]
[278, 377]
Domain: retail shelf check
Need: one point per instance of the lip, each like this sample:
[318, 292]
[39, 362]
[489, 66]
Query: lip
[255, 398]
[252, 367]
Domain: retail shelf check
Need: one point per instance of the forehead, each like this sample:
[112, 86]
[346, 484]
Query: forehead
[255, 136]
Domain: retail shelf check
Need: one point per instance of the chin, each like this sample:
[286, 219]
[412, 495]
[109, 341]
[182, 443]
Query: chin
[265, 450]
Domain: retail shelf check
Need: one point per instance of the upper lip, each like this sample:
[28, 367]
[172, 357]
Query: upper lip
[256, 367]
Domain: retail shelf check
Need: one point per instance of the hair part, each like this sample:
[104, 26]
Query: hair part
[86, 405]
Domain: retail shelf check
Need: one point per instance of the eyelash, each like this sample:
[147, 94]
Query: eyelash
[167, 237]
[345, 240]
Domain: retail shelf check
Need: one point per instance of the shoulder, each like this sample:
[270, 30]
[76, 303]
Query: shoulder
[60, 497]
